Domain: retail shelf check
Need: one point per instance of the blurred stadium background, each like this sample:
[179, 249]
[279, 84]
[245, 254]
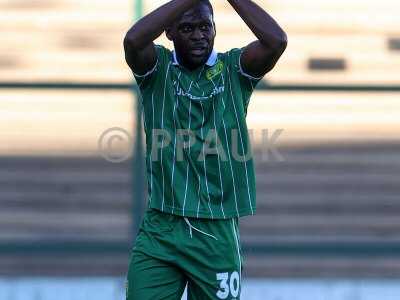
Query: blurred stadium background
[328, 222]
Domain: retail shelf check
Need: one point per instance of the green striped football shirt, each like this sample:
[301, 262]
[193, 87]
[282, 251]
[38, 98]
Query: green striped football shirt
[197, 143]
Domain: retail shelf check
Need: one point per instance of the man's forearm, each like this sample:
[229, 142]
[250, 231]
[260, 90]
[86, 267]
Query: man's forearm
[151, 26]
[264, 27]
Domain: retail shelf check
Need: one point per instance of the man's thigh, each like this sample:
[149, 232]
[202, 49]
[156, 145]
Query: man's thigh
[225, 286]
[150, 278]
[214, 266]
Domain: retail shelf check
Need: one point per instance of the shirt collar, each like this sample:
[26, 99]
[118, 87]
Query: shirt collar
[212, 59]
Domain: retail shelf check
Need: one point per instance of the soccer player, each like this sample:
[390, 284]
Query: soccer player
[200, 180]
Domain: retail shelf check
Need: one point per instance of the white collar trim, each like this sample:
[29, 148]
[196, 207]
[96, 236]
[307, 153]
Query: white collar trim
[212, 59]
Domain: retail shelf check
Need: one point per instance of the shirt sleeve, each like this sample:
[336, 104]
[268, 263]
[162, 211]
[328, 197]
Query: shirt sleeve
[246, 82]
[147, 80]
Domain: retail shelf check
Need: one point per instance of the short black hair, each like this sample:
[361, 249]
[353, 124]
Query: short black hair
[204, 2]
[208, 3]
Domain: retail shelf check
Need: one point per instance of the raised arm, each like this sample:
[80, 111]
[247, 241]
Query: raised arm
[259, 57]
[140, 53]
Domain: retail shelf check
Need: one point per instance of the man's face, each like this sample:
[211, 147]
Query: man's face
[193, 36]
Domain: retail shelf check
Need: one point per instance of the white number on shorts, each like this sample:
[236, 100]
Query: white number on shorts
[233, 287]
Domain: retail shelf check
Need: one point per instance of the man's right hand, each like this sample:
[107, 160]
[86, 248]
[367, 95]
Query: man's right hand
[140, 52]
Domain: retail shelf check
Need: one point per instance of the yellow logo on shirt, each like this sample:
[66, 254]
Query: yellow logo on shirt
[217, 69]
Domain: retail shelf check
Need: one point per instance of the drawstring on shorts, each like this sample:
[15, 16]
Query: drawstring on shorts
[192, 227]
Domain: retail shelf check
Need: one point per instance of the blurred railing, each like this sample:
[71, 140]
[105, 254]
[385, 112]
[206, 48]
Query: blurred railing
[361, 249]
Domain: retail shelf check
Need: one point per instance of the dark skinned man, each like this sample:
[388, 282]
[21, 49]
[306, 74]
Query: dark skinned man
[200, 181]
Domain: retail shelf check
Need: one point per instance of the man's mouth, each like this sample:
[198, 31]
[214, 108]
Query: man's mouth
[198, 51]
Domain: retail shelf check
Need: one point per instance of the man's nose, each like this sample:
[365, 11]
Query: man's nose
[197, 34]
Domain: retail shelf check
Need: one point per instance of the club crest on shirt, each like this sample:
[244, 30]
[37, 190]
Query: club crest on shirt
[214, 71]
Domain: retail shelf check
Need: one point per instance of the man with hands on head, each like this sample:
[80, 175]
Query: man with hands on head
[190, 232]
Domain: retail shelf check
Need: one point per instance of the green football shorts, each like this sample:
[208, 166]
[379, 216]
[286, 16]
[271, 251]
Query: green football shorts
[173, 251]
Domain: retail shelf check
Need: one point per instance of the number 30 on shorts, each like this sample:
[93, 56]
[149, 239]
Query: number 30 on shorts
[228, 285]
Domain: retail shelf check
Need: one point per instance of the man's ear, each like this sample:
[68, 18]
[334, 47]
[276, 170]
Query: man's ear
[215, 29]
[168, 33]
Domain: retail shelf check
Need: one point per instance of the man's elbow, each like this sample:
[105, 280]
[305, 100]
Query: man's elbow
[129, 41]
[133, 40]
[281, 43]
[276, 44]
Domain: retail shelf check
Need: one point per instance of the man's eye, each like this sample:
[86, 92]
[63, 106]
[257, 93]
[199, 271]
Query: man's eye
[186, 28]
[205, 27]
